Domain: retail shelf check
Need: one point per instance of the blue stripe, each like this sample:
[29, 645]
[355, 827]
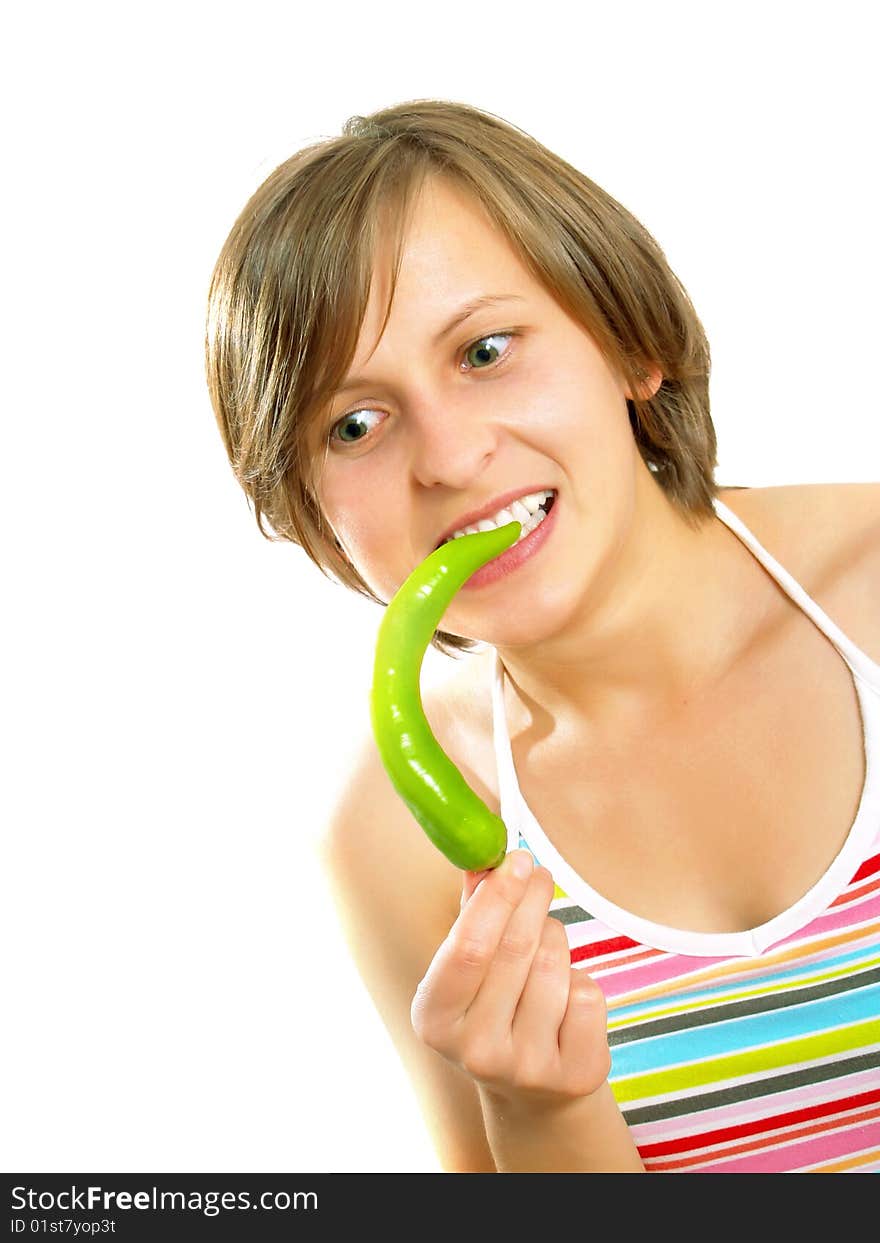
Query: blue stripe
[737, 1035]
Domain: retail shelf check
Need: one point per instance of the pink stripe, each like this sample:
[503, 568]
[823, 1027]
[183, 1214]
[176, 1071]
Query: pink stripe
[794, 1156]
[674, 969]
[672, 966]
[668, 968]
[745, 1111]
[832, 920]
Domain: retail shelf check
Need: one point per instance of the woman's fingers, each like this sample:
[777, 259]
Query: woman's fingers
[492, 1010]
[501, 999]
[545, 996]
[583, 1043]
[460, 965]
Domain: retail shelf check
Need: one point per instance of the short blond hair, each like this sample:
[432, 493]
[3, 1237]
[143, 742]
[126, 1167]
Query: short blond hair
[290, 289]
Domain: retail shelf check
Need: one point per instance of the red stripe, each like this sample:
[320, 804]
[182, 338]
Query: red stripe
[868, 868]
[669, 1147]
[854, 1123]
[852, 895]
[628, 960]
[602, 947]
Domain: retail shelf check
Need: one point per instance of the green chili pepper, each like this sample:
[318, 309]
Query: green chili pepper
[456, 820]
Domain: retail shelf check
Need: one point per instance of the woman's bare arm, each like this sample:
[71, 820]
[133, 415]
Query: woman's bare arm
[396, 899]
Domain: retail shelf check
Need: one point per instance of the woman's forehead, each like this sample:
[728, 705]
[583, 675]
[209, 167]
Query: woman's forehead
[448, 235]
[454, 259]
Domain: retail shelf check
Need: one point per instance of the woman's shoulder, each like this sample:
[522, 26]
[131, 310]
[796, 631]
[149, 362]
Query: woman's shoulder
[827, 536]
[820, 525]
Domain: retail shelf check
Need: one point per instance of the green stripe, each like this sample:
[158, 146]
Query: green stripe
[732, 1066]
[684, 1106]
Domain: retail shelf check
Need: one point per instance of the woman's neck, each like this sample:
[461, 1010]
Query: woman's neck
[661, 623]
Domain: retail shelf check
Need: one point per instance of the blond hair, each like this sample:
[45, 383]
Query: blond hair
[290, 289]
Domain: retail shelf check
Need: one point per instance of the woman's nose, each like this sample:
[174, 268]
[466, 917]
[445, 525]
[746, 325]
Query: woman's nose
[451, 441]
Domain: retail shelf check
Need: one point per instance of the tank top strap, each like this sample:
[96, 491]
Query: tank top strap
[508, 785]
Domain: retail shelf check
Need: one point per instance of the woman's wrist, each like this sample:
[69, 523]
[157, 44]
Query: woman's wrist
[586, 1134]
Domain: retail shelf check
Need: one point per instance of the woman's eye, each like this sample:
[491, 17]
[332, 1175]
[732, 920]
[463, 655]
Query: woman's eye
[347, 424]
[480, 349]
[480, 355]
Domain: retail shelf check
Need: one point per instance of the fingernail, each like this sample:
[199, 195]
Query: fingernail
[520, 863]
[478, 878]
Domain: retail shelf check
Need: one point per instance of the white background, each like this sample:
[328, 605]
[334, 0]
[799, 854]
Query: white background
[181, 696]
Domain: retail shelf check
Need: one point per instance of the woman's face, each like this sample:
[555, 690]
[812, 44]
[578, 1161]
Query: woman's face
[438, 421]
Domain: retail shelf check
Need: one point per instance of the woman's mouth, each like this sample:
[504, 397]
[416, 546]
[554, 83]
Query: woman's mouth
[536, 533]
[538, 504]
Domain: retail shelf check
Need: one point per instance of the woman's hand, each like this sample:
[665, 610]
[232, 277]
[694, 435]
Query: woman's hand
[501, 1000]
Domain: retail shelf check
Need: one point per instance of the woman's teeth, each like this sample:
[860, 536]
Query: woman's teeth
[526, 510]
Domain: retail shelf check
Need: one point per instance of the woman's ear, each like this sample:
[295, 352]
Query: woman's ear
[649, 380]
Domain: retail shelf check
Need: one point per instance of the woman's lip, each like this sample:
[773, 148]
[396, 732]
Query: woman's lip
[510, 561]
[505, 504]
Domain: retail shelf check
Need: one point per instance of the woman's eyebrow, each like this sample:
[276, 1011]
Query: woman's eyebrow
[470, 308]
[464, 312]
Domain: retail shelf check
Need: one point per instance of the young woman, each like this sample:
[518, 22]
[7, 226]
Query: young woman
[670, 694]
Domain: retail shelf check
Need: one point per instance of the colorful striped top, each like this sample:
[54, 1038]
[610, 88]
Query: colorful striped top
[741, 1052]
